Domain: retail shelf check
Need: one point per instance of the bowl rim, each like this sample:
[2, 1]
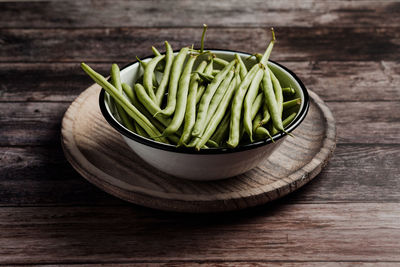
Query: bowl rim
[189, 150]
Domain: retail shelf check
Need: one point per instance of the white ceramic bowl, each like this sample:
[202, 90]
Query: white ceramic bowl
[213, 163]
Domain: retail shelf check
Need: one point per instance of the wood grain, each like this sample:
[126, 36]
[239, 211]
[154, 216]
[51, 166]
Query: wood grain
[123, 44]
[361, 122]
[237, 13]
[331, 80]
[100, 155]
[25, 123]
[243, 263]
[356, 173]
[345, 51]
[366, 232]
[42, 176]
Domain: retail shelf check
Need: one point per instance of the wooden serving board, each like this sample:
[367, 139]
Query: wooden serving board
[99, 154]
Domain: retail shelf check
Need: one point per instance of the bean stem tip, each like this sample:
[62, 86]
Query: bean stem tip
[273, 34]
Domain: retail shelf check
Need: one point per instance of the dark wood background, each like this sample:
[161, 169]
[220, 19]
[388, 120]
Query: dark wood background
[348, 52]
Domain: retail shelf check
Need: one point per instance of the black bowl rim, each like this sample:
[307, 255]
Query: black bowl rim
[187, 150]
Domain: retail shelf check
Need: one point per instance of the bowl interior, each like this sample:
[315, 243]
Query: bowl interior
[132, 72]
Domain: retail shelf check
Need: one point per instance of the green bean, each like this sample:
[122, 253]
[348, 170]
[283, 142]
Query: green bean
[110, 104]
[236, 108]
[258, 57]
[173, 138]
[263, 132]
[203, 35]
[273, 107]
[161, 66]
[182, 98]
[176, 70]
[259, 130]
[249, 100]
[205, 77]
[206, 98]
[243, 69]
[129, 92]
[200, 93]
[289, 119]
[169, 58]
[215, 72]
[150, 105]
[155, 51]
[257, 105]
[234, 135]
[116, 81]
[147, 76]
[222, 132]
[220, 61]
[134, 100]
[223, 129]
[202, 88]
[291, 103]
[219, 114]
[159, 125]
[288, 90]
[285, 122]
[266, 115]
[140, 131]
[116, 77]
[267, 53]
[144, 65]
[277, 91]
[254, 110]
[124, 118]
[134, 124]
[211, 143]
[219, 94]
[190, 115]
[193, 142]
[121, 99]
[147, 102]
[256, 121]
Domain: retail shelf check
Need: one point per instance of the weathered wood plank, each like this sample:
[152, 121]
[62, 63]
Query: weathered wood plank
[367, 122]
[44, 82]
[356, 173]
[38, 123]
[331, 80]
[42, 176]
[242, 263]
[31, 123]
[123, 44]
[298, 232]
[50, 14]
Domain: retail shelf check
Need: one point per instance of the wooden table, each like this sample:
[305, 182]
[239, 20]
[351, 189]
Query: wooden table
[347, 52]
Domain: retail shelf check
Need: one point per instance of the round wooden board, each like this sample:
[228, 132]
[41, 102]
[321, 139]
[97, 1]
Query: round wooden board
[99, 154]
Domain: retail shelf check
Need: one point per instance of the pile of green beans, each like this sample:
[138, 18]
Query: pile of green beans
[195, 99]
